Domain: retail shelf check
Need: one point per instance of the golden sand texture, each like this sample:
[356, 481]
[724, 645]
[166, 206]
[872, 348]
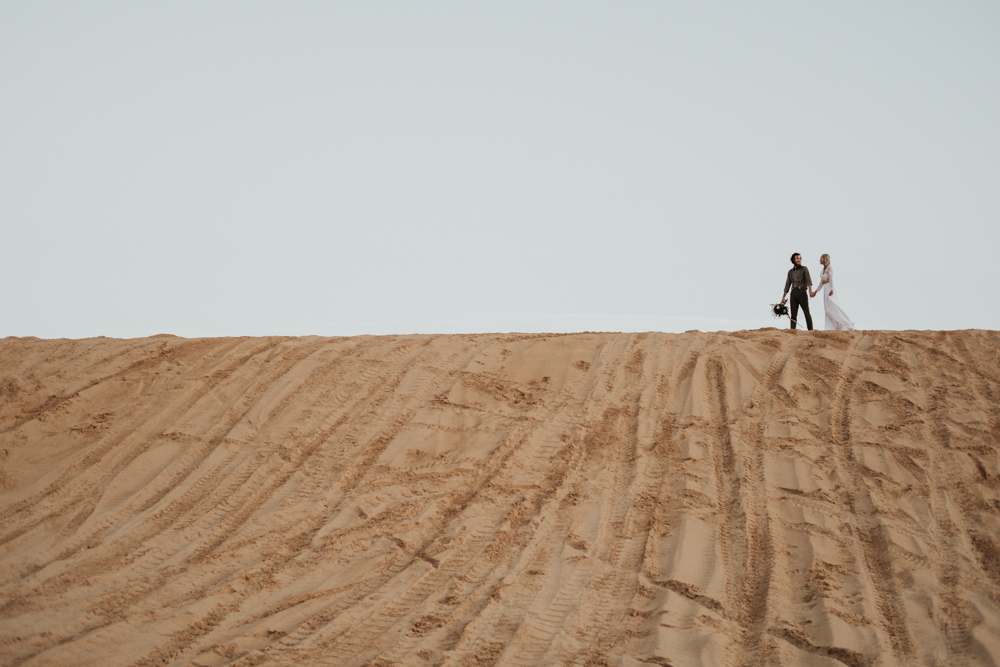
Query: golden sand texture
[751, 498]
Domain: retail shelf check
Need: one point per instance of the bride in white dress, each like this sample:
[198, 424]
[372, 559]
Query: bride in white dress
[836, 318]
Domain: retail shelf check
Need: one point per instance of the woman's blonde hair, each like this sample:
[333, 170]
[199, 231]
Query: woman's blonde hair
[826, 257]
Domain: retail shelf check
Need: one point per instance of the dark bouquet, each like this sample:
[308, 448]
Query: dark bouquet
[779, 310]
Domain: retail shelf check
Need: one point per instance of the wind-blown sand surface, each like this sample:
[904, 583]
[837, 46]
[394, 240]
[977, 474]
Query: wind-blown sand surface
[752, 498]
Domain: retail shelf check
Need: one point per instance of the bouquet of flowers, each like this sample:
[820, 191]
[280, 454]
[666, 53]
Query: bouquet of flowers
[779, 310]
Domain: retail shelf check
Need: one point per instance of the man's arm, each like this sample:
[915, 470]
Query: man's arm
[788, 283]
[809, 281]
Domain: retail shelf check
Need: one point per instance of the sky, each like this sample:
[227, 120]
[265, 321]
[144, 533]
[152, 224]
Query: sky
[345, 168]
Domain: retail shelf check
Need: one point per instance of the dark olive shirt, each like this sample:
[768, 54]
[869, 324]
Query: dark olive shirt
[798, 278]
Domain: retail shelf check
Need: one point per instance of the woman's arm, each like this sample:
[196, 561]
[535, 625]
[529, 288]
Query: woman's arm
[822, 279]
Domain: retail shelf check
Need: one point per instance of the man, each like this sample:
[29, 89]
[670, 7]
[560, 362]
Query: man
[800, 282]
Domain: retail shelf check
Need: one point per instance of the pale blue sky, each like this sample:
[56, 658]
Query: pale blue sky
[248, 168]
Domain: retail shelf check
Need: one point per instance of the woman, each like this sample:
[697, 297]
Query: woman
[836, 318]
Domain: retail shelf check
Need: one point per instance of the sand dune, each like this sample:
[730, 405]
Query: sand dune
[749, 498]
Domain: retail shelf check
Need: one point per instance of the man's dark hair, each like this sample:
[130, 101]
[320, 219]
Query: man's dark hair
[794, 255]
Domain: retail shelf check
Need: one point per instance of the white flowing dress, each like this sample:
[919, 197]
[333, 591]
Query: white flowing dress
[836, 318]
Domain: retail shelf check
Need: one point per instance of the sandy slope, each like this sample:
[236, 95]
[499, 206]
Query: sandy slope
[751, 498]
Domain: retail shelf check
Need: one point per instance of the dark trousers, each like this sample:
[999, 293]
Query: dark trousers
[800, 297]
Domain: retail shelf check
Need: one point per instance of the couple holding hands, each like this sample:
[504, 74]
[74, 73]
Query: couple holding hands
[800, 282]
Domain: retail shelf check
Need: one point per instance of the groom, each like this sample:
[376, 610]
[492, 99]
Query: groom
[799, 280]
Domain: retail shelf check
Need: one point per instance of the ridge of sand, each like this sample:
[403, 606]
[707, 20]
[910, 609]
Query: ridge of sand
[751, 498]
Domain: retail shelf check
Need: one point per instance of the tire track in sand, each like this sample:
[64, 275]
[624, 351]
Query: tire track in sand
[530, 638]
[184, 642]
[868, 532]
[179, 470]
[744, 535]
[162, 529]
[484, 586]
[956, 617]
[326, 626]
[752, 648]
[953, 616]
